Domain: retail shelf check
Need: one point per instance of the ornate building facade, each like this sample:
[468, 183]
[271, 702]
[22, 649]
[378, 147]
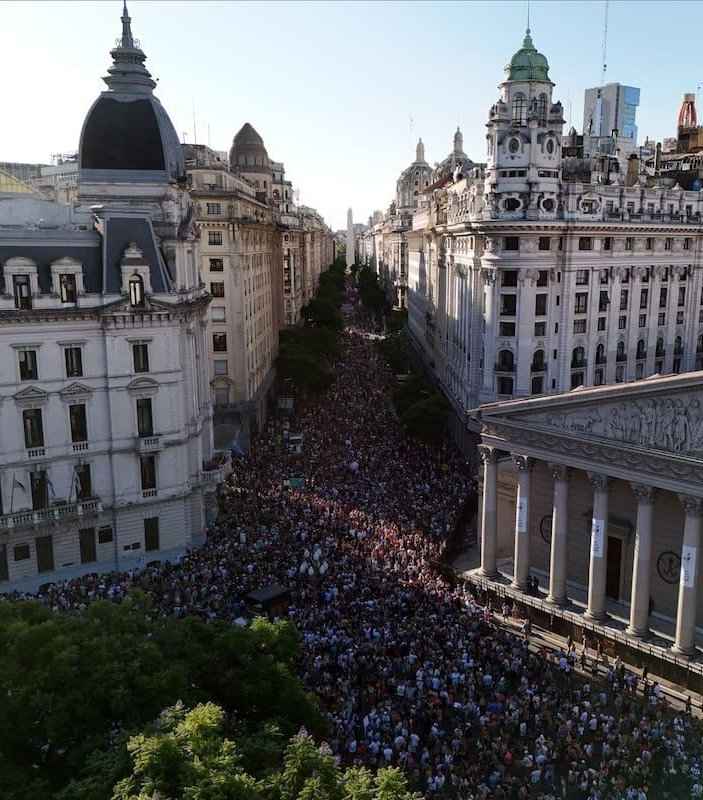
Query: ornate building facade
[105, 407]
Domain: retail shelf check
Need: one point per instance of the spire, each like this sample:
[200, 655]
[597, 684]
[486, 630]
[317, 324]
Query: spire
[458, 141]
[420, 151]
[127, 39]
[128, 75]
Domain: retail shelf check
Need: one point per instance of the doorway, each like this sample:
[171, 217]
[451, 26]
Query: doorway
[612, 576]
[45, 554]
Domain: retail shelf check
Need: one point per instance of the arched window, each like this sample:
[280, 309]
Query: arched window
[578, 357]
[506, 361]
[678, 346]
[136, 290]
[620, 352]
[542, 110]
[699, 344]
[600, 354]
[641, 351]
[660, 347]
[519, 109]
[538, 361]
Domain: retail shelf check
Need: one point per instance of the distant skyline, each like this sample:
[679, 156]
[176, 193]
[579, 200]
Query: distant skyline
[339, 91]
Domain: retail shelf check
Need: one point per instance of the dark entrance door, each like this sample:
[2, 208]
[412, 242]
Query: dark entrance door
[45, 554]
[4, 571]
[612, 576]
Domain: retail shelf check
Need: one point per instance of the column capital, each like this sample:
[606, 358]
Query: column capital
[598, 481]
[560, 472]
[487, 454]
[523, 463]
[693, 506]
[645, 494]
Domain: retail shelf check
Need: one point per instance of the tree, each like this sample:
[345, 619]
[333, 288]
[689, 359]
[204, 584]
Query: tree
[321, 311]
[427, 419]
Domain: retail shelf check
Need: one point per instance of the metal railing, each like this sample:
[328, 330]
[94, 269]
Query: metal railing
[56, 513]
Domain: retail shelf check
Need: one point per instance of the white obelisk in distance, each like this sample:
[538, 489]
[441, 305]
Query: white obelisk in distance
[350, 239]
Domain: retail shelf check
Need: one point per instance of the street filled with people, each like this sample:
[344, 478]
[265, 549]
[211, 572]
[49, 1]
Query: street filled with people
[410, 668]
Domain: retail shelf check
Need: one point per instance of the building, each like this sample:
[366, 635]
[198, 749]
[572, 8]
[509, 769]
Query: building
[608, 108]
[598, 494]
[531, 277]
[107, 455]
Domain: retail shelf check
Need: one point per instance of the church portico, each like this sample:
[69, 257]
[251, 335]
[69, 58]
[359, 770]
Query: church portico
[598, 493]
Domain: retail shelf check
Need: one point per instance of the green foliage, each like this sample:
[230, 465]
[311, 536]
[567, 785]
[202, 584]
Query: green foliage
[71, 683]
[305, 371]
[192, 755]
[323, 311]
[409, 392]
[370, 292]
[395, 350]
[427, 419]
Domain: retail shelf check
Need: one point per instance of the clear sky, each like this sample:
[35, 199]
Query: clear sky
[332, 86]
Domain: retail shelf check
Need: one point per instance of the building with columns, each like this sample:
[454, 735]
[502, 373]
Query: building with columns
[598, 493]
[105, 409]
[534, 273]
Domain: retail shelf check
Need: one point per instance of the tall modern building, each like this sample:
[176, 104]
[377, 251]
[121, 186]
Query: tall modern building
[608, 108]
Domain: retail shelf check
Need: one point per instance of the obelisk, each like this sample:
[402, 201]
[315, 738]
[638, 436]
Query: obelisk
[350, 240]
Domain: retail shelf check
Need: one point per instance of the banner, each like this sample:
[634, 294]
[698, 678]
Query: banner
[597, 531]
[521, 515]
[688, 565]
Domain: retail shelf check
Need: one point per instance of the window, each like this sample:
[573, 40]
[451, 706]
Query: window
[641, 349]
[220, 366]
[86, 539]
[39, 487]
[105, 535]
[540, 328]
[686, 243]
[578, 357]
[508, 277]
[598, 377]
[661, 319]
[506, 361]
[540, 305]
[67, 286]
[576, 379]
[537, 384]
[622, 322]
[519, 109]
[678, 346]
[545, 243]
[140, 356]
[214, 238]
[643, 321]
[219, 342]
[582, 277]
[73, 356]
[682, 296]
[33, 428]
[84, 484]
[151, 533]
[585, 243]
[608, 243]
[619, 373]
[145, 422]
[508, 305]
[222, 395]
[136, 290]
[679, 317]
[511, 243]
[600, 354]
[668, 243]
[603, 301]
[649, 244]
[579, 326]
[217, 265]
[147, 468]
[601, 324]
[543, 278]
[505, 385]
[662, 297]
[22, 291]
[217, 314]
[21, 552]
[217, 289]
[659, 352]
[538, 364]
[581, 303]
[28, 365]
[78, 423]
[644, 298]
[629, 243]
[214, 208]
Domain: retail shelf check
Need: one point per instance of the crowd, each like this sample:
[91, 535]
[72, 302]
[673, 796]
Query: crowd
[409, 667]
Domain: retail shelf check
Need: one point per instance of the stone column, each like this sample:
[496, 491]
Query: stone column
[599, 548]
[521, 567]
[688, 581]
[489, 511]
[560, 527]
[642, 566]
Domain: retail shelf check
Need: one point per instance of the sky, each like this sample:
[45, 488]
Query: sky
[339, 91]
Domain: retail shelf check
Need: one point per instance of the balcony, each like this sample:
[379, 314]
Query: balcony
[148, 444]
[538, 366]
[80, 447]
[36, 452]
[57, 513]
[620, 357]
[579, 363]
[504, 367]
[213, 477]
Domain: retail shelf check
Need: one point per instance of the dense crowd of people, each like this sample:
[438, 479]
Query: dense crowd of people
[410, 668]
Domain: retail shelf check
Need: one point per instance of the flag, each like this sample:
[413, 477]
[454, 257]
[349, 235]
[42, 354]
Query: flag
[51, 487]
[76, 484]
[17, 483]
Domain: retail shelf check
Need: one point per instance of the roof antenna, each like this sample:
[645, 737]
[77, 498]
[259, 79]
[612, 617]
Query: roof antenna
[528, 16]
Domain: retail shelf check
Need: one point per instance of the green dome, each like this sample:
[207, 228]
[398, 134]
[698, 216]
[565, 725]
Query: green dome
[528, 64]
